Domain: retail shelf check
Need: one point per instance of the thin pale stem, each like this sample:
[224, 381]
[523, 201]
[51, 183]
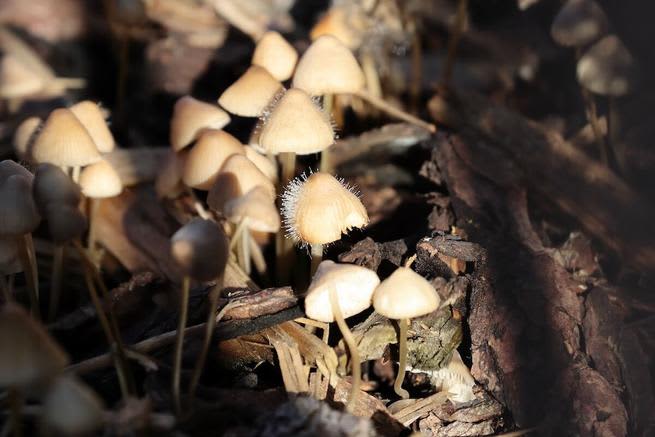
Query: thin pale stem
[283, 248]
[317, 257]
[245, 243]
[25, 248]
[395, 112]
[55, 280]
[328, 108]
[592, 116]
[179, 342]
[75, 174]
[16, 405]
[402, 359]
[237, 234]
[453, 41]
[197, 205]
[352, 348]
[257, 256]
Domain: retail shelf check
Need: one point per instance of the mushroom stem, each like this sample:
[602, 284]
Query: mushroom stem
[16, 405]
[288, 164]
[234, 240]
[197, 205]
[592, 116]
[28, 262]
[179, 341]
[328, 109]
[94, 205]
[402, 359]
[316, 255]
[453, 41]
[6, 294]
[352, 348]
[283, 249]
[257, 256]
[55, 280]
[245, 248]
[395, 112]
[75, 174]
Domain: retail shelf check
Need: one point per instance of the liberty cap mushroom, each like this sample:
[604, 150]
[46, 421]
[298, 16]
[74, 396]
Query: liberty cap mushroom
[251, 93]
[190, 117]
[402, 296]
[91, 116]
[70, 408]
[207, 156]
[276, 55]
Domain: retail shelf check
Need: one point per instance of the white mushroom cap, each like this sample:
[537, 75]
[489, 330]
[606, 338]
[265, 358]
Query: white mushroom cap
[70, 408]
[100, 181]
[276, 55]
[607, 68]
[17, 80]
[354, 286]
[251, 93]
[404, 295]
[190, 117]
[263, 163]
[455, 378]
[207, 156]
[257, 207]
[91, 116]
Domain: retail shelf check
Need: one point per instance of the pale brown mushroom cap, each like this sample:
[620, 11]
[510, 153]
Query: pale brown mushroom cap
[405, 295]
[71, 408]
[353, 284]
[334, 23]
[257, 207]
[578, 23]
[190, 117]
[52, 186]
[265, 165]
[91, 116]
[207, 156]
[17, 79]
[64, 141]
[607, 68]
[296, 124]
[24, 137]
[100, 181]
[169, 179]
[9, 259]
[276, 55]
[200, 248]
[18, 213]
[28, 355]
[65, 222]
[321, 208]
[328, 67]
[237, 177]
[251, 93]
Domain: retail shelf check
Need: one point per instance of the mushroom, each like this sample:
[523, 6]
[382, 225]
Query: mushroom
[403, 296]
[17, 80]
[93, 119]
[24, 137]
[169, 179]
[455, 379]
[207, 156]
[339, 291]
[9, 265]
[336, 22]
[190, 117]
[251, 93]
[276, 55]
[70, 408]
[317, 209]
[263, 163]
[200, 249]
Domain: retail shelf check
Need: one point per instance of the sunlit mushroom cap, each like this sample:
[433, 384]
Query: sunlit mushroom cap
[319, 208]
[200, 248]
[265, 165]
[607, 68]
[18, 213]
[578, 23]
[257, 207]
[24, 136]
[70, 408]
[296, 124]
[190, 117]
[251, 93]
[52, 186]
[328, 67]
[334, 23]
[9, 260]
[353, 284]
[276, 55]
[65, 222]
[169, 179]
[456, 379]
[237, 177]
[404, 295]
[100, 180]
[91, 116]
[17, 79]
[28, 356]
[64, 141]
[207, 156]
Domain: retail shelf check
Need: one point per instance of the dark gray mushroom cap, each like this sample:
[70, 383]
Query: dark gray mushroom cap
[607, 68]
[578, 23]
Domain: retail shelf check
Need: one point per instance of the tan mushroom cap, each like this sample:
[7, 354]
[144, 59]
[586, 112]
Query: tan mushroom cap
[28, 355]
[319, 209]
[207, 156]
[18, 213]
[276, 55]
[71, 408]
[265, 165]
[455, 378]
[404, 295]
[64, 141]
[251, 93]
[578, 23]
[91, 116]
[255, 206]
[328, 67]
[24, 137]
[169, 179]
[200, 248]
[52, 186]
[65, 222]
[17, 79]
[335, 23]
[607, 68]
[297, 125]
[100, 180]
[353, 284]
[237, 177]
[190, 117]
[9, 258]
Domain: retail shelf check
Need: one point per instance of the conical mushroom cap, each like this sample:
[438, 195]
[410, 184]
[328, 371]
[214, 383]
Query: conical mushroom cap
[276, 55]
[52, 186]
[207, 156]
[296, 125]
[17, 80]
[28, 355]
[607, 68]
[334, 23]
[319, 209]
[100, 180]
[65, 222]
[237, 177]
[578, 23]
[18, 214]
[24, 137]
[70, 408]
[257, 207]
[64, 141]
[200, 248]
[93, 119]
[404, 295]
[264, 164]
[328, 67]
[190, 117]
[9, 260]
[354, 286]
[251, 93]
[169, 179]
